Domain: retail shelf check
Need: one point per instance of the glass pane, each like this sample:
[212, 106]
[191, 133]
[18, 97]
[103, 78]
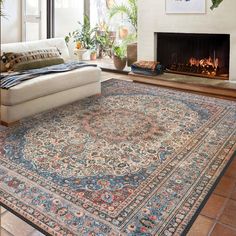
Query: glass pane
[32, 7]
[67, 15]
[99, 15]
[98, 12]
[32, 31]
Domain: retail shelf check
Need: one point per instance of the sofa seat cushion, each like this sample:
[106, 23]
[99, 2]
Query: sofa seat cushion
[49, 84]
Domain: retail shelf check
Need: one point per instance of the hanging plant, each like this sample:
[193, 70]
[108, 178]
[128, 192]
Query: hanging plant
[215, 3]
[130, 9]
[1, 6]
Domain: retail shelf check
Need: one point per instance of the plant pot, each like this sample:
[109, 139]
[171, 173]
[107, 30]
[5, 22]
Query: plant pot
[131, 53]
[123, 32]
[119, 63]
[93, 56]
[79, 53]
[112, 36]
[86, 55]
[110, 4]
[72, 50]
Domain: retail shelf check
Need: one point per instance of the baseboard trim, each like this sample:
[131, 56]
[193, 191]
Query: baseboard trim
[9, 124]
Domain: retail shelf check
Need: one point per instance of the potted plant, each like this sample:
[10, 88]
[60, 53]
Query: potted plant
[105, 41]
[130, 10]
[119, 56]
[84, 37]
[93, 55]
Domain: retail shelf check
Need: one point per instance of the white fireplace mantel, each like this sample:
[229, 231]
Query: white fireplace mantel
[152, 18]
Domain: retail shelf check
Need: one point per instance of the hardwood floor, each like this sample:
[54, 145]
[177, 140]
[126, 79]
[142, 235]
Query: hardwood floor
[217, 218]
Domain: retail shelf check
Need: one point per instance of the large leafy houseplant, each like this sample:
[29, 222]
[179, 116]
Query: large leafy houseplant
[130, 10]
[85, 34]
[119, 51]
[105, 41]
[120, 56]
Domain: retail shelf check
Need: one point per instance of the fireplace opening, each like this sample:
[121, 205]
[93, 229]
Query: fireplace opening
[204, 55]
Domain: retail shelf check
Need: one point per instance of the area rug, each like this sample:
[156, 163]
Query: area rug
[137, 160]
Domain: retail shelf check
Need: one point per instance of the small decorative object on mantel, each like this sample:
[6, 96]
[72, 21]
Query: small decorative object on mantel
[215, 3]
[185, 6]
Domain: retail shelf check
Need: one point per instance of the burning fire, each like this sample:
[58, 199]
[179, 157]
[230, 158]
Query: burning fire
[208, 65]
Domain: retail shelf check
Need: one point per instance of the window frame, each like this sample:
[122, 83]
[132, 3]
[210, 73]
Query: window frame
[30, 19]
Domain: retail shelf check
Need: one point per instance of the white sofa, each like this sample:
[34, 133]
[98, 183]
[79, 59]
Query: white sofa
[47, 91]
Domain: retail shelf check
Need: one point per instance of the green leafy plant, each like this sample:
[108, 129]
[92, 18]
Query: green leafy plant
[215, 3]
[120, 51]
[105, 41]
[1, 11]
[85, 34]
[130, 10]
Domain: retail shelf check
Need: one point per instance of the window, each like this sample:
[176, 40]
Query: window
[99, 15]
[67, 15]
[34, 19]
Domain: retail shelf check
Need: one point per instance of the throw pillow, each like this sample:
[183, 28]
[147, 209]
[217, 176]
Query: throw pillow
[30, 60]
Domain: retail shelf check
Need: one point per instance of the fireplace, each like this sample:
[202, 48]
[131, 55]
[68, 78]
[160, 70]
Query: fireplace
[204, 55]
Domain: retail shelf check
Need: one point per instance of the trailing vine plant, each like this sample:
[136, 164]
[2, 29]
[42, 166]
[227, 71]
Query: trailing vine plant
[215, 4]
[1, 5]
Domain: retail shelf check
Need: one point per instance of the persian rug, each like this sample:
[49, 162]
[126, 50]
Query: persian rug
[137, 160]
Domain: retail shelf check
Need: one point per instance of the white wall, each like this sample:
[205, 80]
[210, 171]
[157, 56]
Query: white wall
[152, 18]
[11, 25]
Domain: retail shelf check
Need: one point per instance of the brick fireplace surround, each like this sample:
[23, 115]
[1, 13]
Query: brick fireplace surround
[152, 18]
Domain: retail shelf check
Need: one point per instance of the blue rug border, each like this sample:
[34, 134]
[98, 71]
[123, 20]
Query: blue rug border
[197, 213]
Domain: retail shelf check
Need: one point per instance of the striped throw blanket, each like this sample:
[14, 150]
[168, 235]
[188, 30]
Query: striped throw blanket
[12, 79]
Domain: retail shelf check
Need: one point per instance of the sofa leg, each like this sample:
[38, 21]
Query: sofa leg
[9, 124]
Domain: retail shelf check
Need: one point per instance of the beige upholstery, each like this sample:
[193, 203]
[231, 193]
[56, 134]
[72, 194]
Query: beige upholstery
[47, 91]
[49, 84]
[11, 114]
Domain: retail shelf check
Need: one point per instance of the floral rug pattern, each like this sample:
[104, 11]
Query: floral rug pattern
[137, 160]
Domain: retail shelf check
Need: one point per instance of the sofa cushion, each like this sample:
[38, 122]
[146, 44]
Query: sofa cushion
[49, 84]
[32, 59]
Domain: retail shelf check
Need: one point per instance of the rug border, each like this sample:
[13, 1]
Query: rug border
[197, 213]
[36, 227]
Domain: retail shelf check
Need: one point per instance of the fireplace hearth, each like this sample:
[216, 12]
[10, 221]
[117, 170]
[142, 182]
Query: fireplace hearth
[204, 55]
